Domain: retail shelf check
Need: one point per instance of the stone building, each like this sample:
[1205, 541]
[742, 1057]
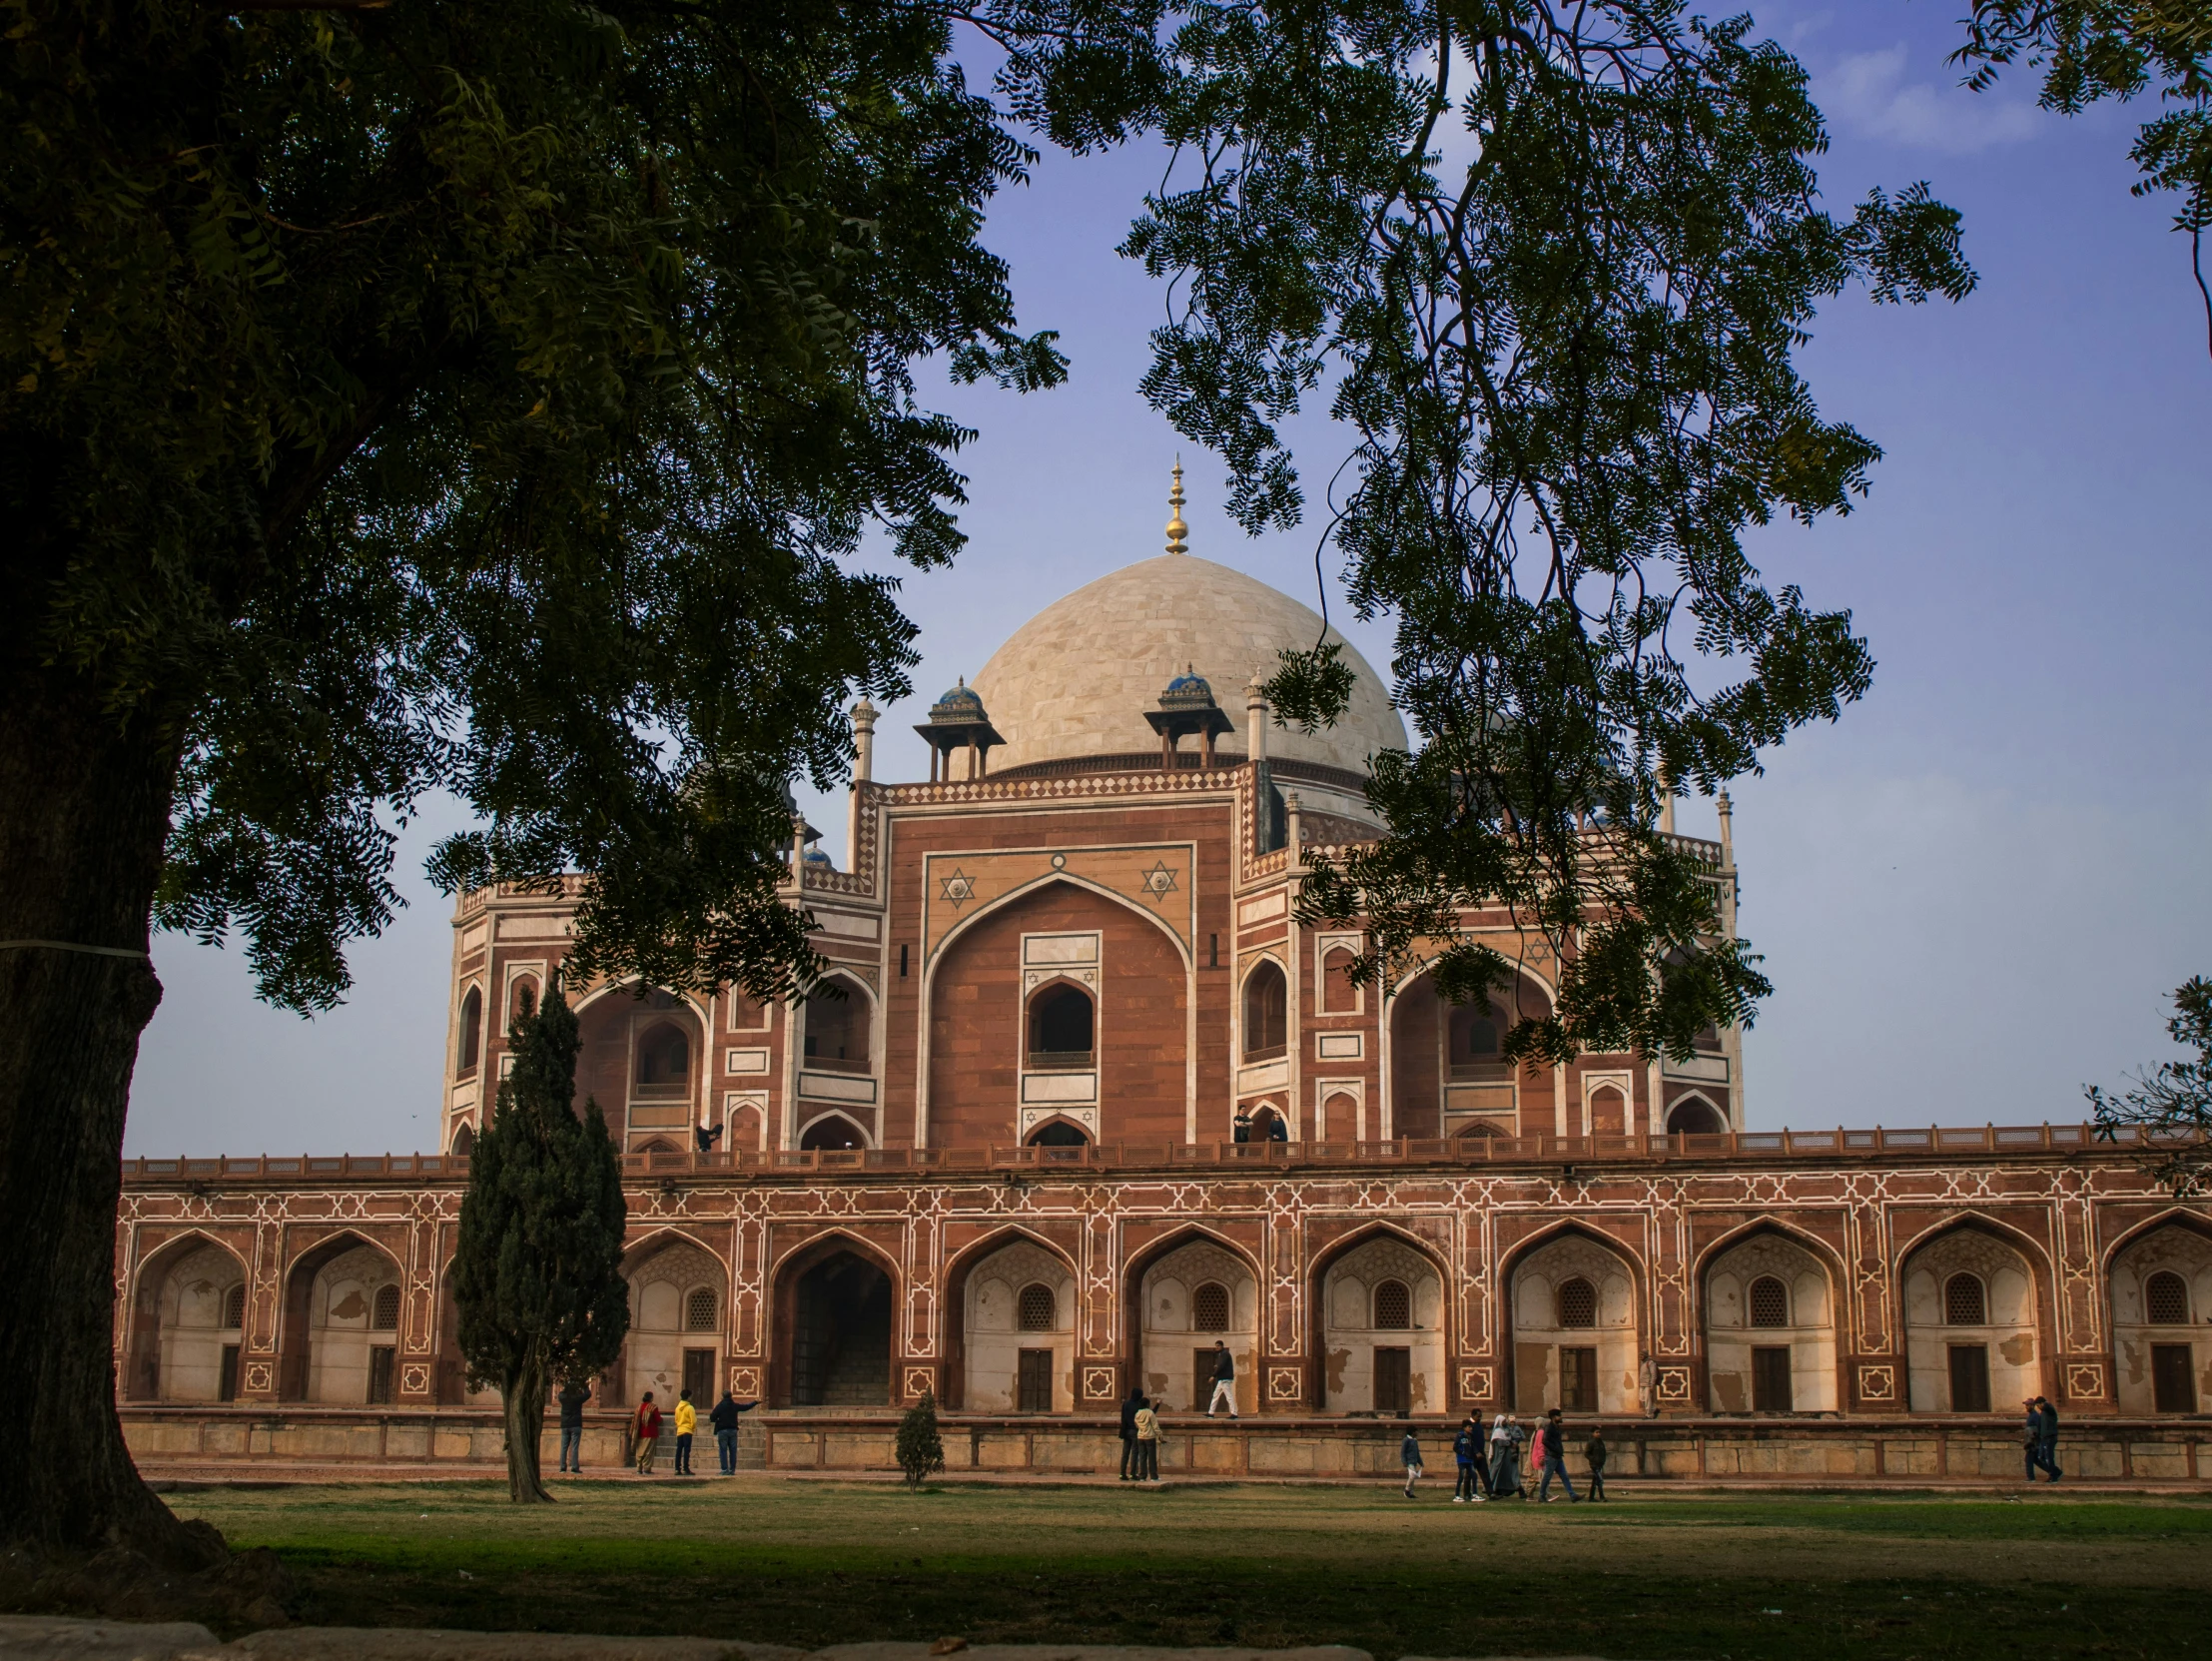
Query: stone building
[1004, 1165]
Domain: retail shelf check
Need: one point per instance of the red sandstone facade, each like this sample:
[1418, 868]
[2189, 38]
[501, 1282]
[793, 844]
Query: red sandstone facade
[1003, 1168]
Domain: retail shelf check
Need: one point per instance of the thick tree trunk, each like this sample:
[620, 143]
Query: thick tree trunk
[524, 1402]
[84, 809]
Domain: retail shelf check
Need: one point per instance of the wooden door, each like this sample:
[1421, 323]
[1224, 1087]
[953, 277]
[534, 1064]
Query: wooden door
[1393, 1380]
[698, 1377]
[380, 1360]
[1771, 1380]
[1033, 1380]
[1969, 1365]
[2173, 1388]
[1578, 1378]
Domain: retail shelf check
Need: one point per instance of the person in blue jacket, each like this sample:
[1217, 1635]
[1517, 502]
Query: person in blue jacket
[1467, 1449]
[1410, 1452]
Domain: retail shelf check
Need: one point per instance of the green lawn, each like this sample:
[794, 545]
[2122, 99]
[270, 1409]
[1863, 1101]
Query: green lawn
[810, 1563]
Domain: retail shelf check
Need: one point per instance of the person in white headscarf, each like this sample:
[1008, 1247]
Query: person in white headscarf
[1505, 1457]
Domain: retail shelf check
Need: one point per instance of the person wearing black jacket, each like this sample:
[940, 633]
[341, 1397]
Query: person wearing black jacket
[724, 1420]
[573, 1395]
[1555, 1459]
[2047, 1444]
[1129, 1403]
[1592, 1455]
[1224, 1381]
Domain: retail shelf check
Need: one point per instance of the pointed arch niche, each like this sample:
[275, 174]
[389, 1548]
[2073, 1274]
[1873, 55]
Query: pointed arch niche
[1575, 1330]
[642, 1057]
[1970, 1323]
[1016, 1304]
[188, 1323]
[1447, 1069]
[1194, 1295]
[677, 1293]
[1382, 1329]
[341, 1338]
[992, 1071]
[1769, 1340]
[2161, 1308]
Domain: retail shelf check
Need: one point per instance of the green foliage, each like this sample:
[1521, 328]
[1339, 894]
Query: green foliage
[1551, 262]
[2170, 1107]
[484, 399]
[2095, 49]
[920, 1449]
[537, 1268]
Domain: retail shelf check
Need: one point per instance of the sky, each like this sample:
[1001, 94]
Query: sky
[1974, 894]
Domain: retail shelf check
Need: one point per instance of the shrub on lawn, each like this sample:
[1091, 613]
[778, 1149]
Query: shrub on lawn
[921, 1449]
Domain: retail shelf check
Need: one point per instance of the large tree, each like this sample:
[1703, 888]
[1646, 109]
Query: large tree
[482, 398]
[463, 396]
[1549, 263]
[537, 1270]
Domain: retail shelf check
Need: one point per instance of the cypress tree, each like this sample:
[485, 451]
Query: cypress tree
[537, 1274]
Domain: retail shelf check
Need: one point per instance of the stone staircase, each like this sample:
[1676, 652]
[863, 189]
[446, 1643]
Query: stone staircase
[752, 1441]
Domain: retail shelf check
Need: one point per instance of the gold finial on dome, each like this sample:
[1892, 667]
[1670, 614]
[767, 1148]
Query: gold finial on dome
[1176, 530]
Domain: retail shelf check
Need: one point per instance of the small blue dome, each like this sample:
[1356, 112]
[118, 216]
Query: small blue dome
[815, 856]
[962, 695]
[1188, 683]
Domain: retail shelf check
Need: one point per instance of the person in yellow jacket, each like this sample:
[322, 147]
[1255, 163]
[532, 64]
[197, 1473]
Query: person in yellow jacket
[687, 1420]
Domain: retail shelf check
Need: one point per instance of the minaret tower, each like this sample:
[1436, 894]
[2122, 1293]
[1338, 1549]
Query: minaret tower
[1176, 530]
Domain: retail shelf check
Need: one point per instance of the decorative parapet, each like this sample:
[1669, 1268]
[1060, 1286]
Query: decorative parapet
[1876, 1146]
[1062, 788]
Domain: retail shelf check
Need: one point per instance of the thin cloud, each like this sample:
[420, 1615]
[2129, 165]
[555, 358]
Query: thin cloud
[1866, 96]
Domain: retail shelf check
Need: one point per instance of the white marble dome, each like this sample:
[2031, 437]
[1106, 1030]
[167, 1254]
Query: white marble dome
[1077, 679]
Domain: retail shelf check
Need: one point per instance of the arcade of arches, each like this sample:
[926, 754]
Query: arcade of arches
[1376, 1321]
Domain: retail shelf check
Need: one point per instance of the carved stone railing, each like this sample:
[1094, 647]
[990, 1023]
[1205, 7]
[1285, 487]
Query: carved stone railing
[1881, 1144]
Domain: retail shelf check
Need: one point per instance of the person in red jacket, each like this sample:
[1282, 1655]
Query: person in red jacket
[645, 1429]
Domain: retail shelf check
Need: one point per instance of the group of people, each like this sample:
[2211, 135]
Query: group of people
[646, 1425]
[2039, 1437]
[1140, 1418]
[1491, 1468]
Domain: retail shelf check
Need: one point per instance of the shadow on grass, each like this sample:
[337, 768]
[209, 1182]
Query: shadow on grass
[1516, 1607]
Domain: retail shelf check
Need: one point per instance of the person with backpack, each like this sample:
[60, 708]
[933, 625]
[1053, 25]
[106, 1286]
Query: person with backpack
[1224, 1381]
[1594, 1455]
[645, 1433]
[1409, 1449]
[1147, 1441]
[1129, 1404]
[573, 1395]
[1553, 1459]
